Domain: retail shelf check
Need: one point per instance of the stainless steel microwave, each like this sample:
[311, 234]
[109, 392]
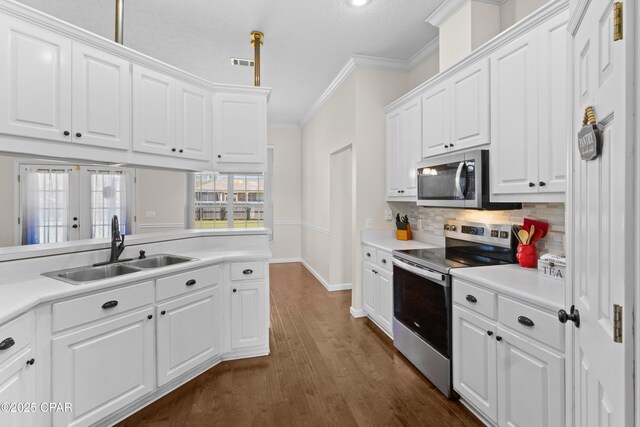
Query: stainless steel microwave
[458, 180]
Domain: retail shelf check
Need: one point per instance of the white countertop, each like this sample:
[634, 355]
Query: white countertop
[20, 296]
[522, 283]
[386, 241]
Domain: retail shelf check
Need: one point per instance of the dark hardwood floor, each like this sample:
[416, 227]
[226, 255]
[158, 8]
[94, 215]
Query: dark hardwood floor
[325, 368]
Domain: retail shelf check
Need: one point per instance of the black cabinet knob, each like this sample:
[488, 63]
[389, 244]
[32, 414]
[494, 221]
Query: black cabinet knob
[163, 312]
[532, 184]
[235, 290]
[542, 183]
[173, 150]
[489, 333]
[446, 146]
[78, 134]
[30, 362]
[368, 255]
[66, 133]
[150, 317]
[181, 151]
[219, 156]
[471, 298]
[573, 315]
[142, 255]
[384, 261]
[451, 145]
[498, 338]
[74, 226]
[75, 218]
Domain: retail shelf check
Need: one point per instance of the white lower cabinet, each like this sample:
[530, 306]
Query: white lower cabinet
[510, 378]
[377, 282]
[249, 324]
[18, 385]
[189, 332]
[101, 368]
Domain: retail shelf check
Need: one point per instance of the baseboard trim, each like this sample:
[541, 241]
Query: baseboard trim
[323, 282]
[284, 260]
[357, 313]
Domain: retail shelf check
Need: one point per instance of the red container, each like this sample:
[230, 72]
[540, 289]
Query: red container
[527, 256]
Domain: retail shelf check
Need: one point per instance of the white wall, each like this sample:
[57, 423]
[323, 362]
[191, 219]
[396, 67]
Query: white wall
[512, 11]
[163, 193]
[422, 72]
[287, 193]
[341, 217]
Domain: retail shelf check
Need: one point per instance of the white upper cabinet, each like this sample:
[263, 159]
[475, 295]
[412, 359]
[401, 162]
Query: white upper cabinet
[154, 116]
[404, 149]
[470, 107]
[240, 131]
[455, 112]
[35, 81]
[101, 98]
[194, 122]
[529, 133]
[436, 130]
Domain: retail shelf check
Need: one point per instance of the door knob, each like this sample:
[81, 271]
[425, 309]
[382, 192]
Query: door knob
[573, 315]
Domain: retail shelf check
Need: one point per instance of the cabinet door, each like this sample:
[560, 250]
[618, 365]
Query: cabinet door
[384, 306]
[394, 154]
[240, 126]
[412, 142]
[188, 333]
[514, 117]
[553, 109]
[436, 130]
[369, 285]
[248, 322]
[102, 368]
[154, 99]
[35, 81]
[194, 122]
[530, 383]
[474, 361]
[18, 385]
[101, 98]
[470, 106]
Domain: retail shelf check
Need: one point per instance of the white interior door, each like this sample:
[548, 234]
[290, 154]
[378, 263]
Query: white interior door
[599, 218]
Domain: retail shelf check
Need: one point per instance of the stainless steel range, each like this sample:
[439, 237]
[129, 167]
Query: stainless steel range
[422, 292]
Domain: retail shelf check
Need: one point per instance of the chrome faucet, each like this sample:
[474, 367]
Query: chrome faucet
[116, 250]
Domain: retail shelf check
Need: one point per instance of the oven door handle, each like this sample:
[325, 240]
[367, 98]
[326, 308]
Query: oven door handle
[428, 274]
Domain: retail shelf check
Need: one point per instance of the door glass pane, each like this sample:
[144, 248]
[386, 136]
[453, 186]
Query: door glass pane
[108, 198]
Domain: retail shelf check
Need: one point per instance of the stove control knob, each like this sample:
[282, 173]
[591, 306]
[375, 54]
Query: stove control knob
[446, 227]
[453, 228]
[504, 234]
[494, 233]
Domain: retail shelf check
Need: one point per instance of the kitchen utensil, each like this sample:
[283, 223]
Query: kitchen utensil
[537, 236]
[524, 236]
[532, 233]
[544, 226]
[514, 230]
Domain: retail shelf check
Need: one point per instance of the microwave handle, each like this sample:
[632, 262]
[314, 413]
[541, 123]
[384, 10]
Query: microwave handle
[462, 192]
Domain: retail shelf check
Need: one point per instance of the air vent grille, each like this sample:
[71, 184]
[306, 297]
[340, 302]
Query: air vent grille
[239, 62]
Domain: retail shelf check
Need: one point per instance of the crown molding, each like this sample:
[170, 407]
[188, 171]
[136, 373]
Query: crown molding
[427, 51]
[449, 7]
[372, 62]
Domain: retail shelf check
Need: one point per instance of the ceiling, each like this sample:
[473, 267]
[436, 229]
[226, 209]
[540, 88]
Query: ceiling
[306, 42]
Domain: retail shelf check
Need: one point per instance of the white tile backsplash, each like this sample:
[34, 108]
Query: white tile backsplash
[432, 220]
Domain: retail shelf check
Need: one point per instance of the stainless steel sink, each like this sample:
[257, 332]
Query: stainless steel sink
[87, 274]
[82, 275]
[161, 260]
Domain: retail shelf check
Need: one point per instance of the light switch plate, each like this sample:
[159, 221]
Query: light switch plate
[150, 214]
[388, 215]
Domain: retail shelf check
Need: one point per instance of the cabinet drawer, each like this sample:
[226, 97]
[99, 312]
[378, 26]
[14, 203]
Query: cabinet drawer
[532, 322]
[384, 260]
[182, 283]
[98, 306]
[247, 270]
[16, 335]
[368, 254]
[477, 299]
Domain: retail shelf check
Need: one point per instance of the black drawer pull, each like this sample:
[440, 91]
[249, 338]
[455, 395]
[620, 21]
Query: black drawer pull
[110, 304]
[7, 344]
[248, 271]
[525, 321]
[191, 282]
[472, 299]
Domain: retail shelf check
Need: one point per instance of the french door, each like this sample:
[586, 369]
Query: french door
[59, 203]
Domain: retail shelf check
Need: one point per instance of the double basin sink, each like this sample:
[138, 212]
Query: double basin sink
[87, 274]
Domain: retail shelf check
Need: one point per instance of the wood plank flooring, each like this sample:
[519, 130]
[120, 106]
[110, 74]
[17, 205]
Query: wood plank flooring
[325, 369]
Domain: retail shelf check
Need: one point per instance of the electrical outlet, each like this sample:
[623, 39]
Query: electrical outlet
[388, 215]
[150, 214]
[368, 223]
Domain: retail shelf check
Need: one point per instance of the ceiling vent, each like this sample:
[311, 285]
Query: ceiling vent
[238, 62]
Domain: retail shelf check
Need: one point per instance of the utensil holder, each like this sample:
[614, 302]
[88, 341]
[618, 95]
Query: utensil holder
[404, 234]
[527, 255]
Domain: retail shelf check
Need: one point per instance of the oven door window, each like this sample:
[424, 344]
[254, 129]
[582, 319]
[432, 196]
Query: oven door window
[423, 306]
[439, 182]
